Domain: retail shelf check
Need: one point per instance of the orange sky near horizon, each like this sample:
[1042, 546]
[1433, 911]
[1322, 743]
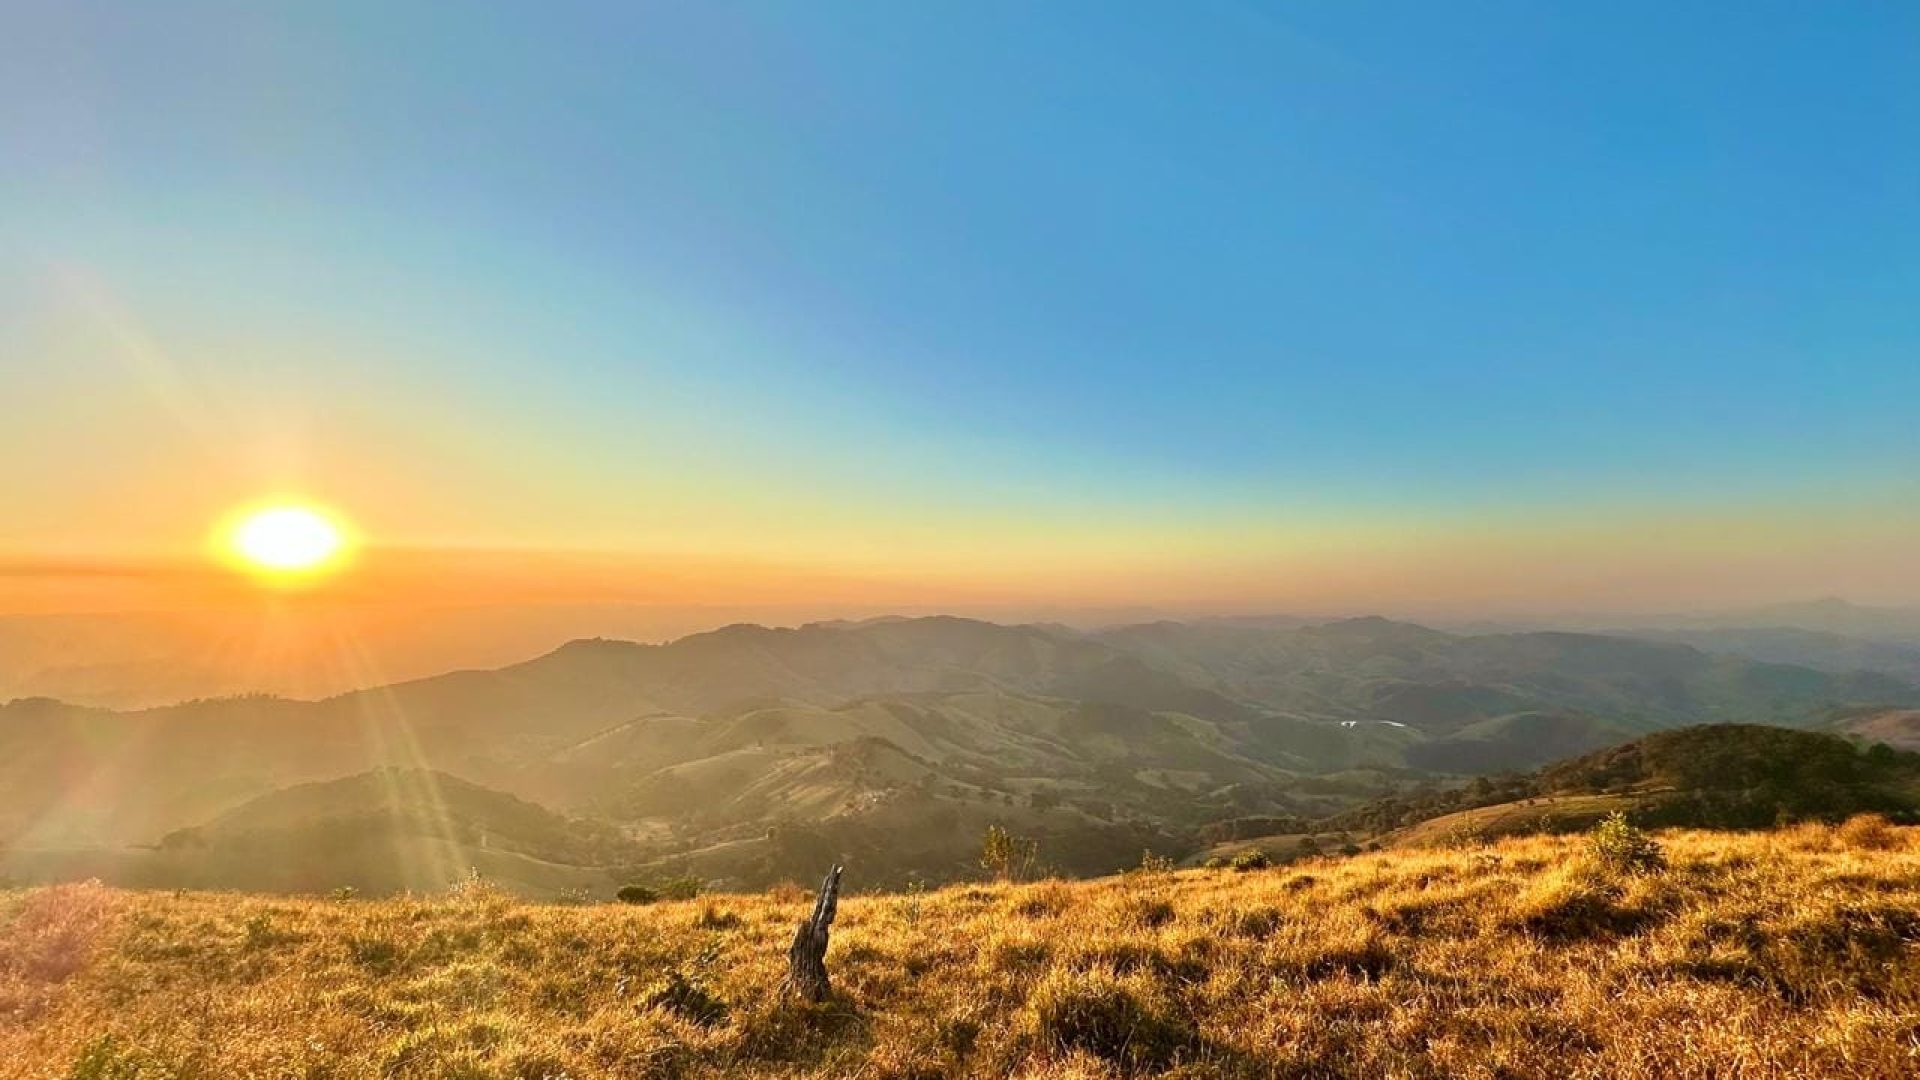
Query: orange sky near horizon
[1624, 563]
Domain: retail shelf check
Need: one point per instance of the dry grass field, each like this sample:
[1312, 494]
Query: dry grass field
[1551, 813]
[1788, 954]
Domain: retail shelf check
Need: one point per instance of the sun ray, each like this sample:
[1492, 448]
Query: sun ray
[394, 747]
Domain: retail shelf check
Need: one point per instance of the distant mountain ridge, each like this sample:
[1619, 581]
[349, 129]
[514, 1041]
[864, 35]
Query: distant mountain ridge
[1829, 617]
[137, 660]
[721, 750]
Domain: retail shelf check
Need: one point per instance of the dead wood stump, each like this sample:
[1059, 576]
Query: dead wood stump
[807, 956]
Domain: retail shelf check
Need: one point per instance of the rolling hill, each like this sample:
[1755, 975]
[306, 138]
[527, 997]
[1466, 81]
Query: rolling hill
[727, 752]
[1712, 776]
[1898, 728]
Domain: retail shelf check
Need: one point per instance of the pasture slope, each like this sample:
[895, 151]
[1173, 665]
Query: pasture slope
[1793, 953]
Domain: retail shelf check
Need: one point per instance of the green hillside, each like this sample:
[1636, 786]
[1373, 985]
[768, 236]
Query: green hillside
[1713, 776]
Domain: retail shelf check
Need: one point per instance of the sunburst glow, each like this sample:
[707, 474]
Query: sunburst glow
[287, 539]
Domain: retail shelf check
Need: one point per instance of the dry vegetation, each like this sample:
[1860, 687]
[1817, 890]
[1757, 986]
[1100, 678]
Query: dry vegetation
[1787, 954]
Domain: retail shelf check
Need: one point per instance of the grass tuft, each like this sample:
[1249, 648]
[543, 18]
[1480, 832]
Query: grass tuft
[1870, 832]
[1100, 1012]
[682, 996]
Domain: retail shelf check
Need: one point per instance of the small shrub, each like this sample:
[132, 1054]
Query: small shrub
[913, 900]
[261, 933]
[636, 894]
[1006, 856]
[474, 889]
[1153, 865]
[1250, 860]
[684, 887]
[1620, 846]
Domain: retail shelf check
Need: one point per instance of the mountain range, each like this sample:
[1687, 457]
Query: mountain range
[307, 648]
[746, 753]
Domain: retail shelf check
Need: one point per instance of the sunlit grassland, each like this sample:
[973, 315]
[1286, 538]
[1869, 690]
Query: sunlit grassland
[1794, 953]
[1548, 813]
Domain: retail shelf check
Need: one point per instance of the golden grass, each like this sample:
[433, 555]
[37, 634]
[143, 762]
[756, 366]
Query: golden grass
[1546, 813]
[1792, 954]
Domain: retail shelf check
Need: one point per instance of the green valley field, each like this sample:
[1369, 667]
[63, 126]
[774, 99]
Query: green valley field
[1770, 954]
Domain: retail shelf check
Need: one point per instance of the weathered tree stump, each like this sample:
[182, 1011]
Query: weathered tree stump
[807, 956]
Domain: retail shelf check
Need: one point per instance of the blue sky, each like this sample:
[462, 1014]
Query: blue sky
[1078, 262]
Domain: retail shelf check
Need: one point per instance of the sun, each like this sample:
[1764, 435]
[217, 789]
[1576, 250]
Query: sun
[287, 539]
